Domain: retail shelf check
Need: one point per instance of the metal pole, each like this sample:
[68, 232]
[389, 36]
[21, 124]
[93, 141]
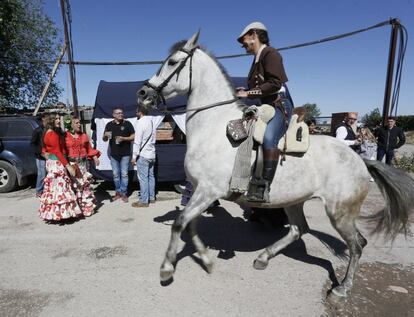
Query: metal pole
[70, 61]
[55, 67]
[390, 70]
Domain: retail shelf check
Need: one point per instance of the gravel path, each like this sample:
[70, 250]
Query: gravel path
[108, 265]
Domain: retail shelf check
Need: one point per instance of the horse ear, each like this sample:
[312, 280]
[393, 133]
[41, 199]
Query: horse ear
[192, 42]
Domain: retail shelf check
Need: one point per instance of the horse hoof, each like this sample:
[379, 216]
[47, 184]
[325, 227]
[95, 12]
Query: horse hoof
[337, 298]
[166, 272]
[340, 291]
[259, 264]
[209, 267]
[208, 264]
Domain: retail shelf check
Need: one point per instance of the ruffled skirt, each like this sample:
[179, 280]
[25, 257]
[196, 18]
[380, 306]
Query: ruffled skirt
[82, 188]
[58, 200]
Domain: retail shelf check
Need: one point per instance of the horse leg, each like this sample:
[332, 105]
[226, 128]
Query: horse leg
[197, 204]
[298, 226]
[344, 223]
[199, 245]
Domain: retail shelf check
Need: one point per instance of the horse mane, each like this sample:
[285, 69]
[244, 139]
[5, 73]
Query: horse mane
[177, 46]
[180, 44]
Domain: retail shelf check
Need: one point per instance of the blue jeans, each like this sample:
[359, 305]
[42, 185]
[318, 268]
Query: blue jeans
[120, 171]
[389, 155]
[41, 174]
[276, 127]
[145, 171]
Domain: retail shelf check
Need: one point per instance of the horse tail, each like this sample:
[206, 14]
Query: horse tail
[397, 187]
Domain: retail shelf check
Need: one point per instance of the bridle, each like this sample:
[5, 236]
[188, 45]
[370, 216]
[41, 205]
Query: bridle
[158, 89]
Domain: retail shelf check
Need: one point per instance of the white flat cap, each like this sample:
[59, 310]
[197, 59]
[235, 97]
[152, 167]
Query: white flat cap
[251, 26]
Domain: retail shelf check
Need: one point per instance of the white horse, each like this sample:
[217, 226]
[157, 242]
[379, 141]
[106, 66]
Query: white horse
[328, 170]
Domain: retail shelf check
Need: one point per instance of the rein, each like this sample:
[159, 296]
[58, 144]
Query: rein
[210, 106]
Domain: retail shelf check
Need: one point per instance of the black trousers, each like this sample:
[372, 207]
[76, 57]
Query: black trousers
[389, 155]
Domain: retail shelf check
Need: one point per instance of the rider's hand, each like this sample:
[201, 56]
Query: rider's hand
[96, 160]
[133, 161]
[241, 93]
[357, 142]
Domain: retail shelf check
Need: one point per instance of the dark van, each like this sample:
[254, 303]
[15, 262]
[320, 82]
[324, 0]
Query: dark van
[17, 161]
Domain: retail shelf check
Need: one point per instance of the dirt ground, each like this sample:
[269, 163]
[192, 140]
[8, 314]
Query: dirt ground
[108, 264]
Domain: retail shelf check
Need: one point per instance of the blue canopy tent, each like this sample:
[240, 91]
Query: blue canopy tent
[124, 94]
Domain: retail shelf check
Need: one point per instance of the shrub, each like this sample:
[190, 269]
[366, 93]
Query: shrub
[405, 162]
[405, 122]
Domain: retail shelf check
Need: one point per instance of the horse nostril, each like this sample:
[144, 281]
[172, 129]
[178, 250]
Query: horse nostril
[142, 93]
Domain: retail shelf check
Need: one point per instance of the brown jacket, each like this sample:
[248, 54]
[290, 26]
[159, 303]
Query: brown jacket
[267, 76]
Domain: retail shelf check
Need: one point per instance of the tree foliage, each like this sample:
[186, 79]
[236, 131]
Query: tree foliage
[372, 119]
[312, 110]
[405, 122]
[26, 33]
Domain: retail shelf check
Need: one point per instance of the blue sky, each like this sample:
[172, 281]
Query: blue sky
[343, 75]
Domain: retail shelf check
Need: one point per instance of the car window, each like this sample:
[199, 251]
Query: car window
[19, 129]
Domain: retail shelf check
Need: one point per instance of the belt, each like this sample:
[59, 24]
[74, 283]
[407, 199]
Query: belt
[77, 159]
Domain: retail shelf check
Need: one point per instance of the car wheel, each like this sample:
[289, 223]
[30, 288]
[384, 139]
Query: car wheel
[8, 179]
[179, 187]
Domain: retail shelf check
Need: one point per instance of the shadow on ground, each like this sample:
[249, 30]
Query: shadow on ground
[221, 231]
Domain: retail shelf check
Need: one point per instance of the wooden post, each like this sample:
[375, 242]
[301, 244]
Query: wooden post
[68, 42]
[45, 90]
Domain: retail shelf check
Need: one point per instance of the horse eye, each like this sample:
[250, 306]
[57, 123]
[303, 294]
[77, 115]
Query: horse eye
[171, 62]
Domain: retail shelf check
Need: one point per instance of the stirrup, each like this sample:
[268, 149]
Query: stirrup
[258, 191]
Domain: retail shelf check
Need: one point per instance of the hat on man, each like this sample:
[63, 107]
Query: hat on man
[251, 26]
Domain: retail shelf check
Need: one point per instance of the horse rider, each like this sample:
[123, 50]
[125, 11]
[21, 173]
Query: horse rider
[266, 81]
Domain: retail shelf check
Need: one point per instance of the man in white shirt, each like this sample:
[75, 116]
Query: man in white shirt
[143, 155]
[346, 134]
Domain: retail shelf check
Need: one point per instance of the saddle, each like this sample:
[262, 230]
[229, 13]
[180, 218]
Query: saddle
[250, 131]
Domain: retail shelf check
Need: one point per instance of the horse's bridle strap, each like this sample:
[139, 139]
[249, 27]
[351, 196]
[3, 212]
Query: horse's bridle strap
[159, 88]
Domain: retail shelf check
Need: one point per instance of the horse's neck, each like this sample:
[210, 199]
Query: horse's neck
[209, 86]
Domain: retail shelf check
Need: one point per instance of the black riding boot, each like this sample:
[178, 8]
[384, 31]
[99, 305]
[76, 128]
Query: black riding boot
[259, 188]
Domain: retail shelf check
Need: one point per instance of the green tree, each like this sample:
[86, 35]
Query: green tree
[312, 110]
[26, 33]
[372, 119]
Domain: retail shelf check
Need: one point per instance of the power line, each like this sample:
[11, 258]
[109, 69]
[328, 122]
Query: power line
[323, 40]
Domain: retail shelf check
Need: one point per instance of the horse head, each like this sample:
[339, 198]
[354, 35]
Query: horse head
[172, 79]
